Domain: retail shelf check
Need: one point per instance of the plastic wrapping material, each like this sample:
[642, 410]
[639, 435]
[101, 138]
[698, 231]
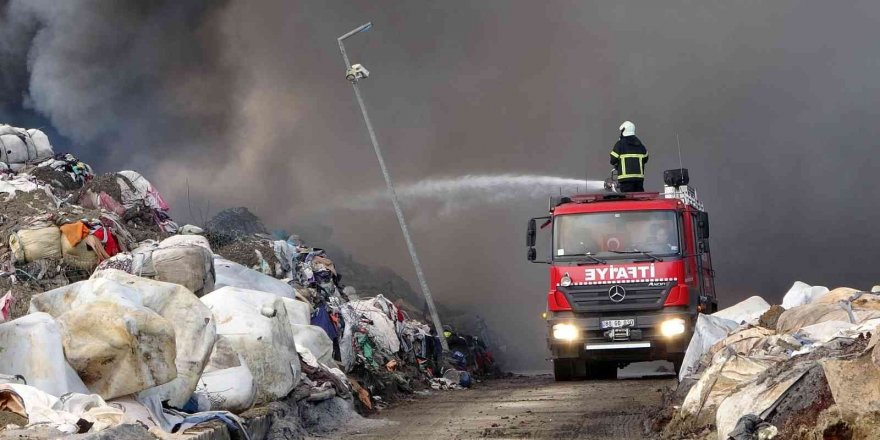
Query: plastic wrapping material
[191, 266]
[140, 190]
[315, 340]
[801, 294]
[118, 348]
[719, 382]
[64, 413]
[190, 230]
[797, 318]
[227, 383]
[257, 326]
[187, 318]
[193, 324]
[186, 240]
[746, 311]
[32, 348]
[708, 331]
[756, 397]
[232, 274]
[18, 146]
[747, 342]
[34, 244]
[299, 312]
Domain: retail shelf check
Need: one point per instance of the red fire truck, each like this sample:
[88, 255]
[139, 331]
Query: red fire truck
[629, 272]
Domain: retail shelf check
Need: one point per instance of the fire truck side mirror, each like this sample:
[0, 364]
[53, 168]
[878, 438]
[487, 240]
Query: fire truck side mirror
[703, 225]
[533, 254]
[531, 234]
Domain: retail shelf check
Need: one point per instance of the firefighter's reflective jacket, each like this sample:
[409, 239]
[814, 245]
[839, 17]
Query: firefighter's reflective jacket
[629, 157]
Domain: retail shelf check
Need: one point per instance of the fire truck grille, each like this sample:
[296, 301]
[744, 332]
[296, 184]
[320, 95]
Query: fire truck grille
[598, 298]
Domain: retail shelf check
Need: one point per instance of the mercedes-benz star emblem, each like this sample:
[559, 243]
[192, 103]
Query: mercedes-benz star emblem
[616, 293]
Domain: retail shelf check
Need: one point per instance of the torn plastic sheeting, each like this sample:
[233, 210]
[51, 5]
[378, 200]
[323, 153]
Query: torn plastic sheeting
[231, 274]
[757, 397]
[708, 331]
[745, 311]
[720, 381]
[824, 331]
[170, 420]
[862, 303]
[32, 348]
[17, 184]
[257, 327]
[347, 352]
[802, 293]
[140, 190]
[227, 383]
[744, 342]
[315, 340]
[799, 317]
[63, 413]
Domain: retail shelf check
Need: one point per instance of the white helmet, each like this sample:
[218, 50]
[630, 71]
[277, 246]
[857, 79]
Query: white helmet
[627, 129]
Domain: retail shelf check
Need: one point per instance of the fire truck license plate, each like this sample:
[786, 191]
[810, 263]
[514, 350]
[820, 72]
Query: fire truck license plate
[618, 323]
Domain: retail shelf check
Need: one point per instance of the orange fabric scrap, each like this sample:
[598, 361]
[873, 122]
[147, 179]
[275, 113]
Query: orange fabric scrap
[74, 232]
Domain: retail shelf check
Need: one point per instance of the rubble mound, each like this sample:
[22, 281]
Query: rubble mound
[107, 182]
[808, 370]
[234, 223]
[57, 178]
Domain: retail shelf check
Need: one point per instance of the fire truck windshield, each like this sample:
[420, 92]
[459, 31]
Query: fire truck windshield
[613, 234]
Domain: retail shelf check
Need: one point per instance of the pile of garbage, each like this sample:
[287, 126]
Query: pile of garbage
[808, 368]
[111, 314]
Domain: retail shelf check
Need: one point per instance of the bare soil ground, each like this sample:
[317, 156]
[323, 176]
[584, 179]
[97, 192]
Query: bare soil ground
[522, 407]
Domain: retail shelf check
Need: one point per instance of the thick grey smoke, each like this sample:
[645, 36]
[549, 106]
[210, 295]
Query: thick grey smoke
[246, 101]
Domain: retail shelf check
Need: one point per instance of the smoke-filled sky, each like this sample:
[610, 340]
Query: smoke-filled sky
[246, 103]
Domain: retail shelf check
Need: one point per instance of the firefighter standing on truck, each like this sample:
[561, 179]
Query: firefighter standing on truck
[629, 157]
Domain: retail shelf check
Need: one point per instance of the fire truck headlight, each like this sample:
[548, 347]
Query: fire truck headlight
[565, 281]
[672, 327]
[565, 332]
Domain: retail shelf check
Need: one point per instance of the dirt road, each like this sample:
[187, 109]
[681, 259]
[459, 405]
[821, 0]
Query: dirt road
[524, 407]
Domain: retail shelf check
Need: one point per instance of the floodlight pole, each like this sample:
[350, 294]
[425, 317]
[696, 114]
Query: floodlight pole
[438, 325]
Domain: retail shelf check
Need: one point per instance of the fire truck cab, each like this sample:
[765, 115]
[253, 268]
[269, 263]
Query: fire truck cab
[628, 275]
